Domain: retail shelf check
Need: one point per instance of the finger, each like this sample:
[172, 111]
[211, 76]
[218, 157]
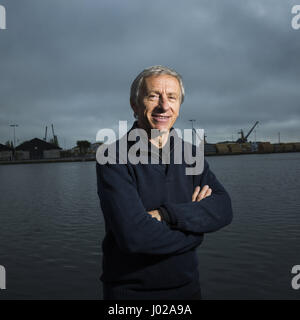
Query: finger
[208, 193]
[195, 194]
[202, 193]
[156, 216]
[152, 213]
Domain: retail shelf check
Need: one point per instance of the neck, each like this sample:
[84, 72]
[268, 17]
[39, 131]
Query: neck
[160, 140]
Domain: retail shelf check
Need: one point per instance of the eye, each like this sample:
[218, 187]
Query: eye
[153, 96]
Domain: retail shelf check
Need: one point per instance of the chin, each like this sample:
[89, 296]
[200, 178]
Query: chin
[160, 127]
[163, 128]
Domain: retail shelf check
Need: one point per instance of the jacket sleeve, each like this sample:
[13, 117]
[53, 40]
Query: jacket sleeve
[208, 215]
[134, 229]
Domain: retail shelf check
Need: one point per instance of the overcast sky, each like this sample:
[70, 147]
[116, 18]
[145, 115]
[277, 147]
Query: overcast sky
[71, 63]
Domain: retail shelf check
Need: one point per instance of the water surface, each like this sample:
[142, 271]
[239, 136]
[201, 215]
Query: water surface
[51, 229]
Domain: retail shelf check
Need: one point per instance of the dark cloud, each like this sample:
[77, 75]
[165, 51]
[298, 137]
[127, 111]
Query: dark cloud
[71, 63]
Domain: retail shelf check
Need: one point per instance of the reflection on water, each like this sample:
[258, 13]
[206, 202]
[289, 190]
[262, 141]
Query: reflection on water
[52, 227]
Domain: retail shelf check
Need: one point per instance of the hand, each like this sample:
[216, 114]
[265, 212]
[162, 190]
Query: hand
[199, 194]
[155, 214]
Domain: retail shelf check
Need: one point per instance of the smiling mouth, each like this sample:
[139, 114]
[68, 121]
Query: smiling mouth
[160, 118]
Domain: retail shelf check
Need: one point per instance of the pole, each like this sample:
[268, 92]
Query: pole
[279, 137]
[193, 133]
[14, 126]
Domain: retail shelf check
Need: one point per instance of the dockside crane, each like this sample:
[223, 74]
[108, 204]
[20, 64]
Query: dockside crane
[243, 138]
[46, 131]
[55, 140]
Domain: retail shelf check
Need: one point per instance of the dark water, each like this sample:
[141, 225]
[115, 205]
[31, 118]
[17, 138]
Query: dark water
[51, 230]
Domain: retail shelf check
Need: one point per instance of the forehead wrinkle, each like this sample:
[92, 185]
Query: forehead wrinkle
[162, 86]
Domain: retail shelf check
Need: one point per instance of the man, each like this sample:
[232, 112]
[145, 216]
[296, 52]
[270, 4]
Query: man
[156, 215]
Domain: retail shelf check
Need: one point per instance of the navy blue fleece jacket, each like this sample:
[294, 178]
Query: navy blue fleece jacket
[144, 258]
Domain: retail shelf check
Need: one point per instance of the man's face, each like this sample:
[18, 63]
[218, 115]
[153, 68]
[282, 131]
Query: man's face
[159, 102]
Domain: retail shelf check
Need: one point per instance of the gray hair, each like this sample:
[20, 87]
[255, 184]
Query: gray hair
[151, 71]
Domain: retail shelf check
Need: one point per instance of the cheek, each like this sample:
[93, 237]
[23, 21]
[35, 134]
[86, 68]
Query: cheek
[147, 115]
[147, 112]
[176, 110]
[148, 109]
[143, 110]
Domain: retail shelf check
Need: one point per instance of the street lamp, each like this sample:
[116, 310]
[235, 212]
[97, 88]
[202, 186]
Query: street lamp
[14, 126]
[193, 131]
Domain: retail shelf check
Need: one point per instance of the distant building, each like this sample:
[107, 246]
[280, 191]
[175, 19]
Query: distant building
[94, 146]
[210, 149]
[6, 153]
[37, 149]
[75, 151]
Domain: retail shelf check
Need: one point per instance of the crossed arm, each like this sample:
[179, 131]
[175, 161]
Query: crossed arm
[138, 231]
[198, 195]
[209, 210]
[135, 231]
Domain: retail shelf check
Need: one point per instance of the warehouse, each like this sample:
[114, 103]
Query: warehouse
[37, 149]
[6, 153]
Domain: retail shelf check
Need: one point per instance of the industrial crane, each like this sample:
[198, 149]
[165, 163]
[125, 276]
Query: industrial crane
[46, 130]
[243, 138]
[55, 140]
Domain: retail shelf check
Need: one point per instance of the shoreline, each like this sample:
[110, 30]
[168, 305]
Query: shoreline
[89, 159]
[83, 159]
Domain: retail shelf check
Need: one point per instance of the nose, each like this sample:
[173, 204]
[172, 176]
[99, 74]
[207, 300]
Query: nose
[164, 103]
